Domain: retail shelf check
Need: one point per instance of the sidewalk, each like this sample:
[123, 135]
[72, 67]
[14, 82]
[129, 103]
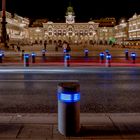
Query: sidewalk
[97, 126]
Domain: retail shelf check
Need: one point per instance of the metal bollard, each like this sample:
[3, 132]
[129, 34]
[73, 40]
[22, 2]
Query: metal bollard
[43, 52]
[86, 52]
[1, 55]
[108, 60]
[26, 60]
[133, 56]
[33, 57]
[67, 60]
[102, 57]
[43, 55]
[68, 108]
[22, 55]
[126, 55]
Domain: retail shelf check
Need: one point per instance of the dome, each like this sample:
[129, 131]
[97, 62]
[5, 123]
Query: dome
[70, 9]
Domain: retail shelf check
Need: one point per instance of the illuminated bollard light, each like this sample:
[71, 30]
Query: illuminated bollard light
[107, 51]
[1, 56]
[43, 52]
[86, 52]
[68, 108]
[64, 51]
[26, 60]
[126, 55]
[102, 55]
[108, 60]
[33, 57]
[133, 57]
[67, 60]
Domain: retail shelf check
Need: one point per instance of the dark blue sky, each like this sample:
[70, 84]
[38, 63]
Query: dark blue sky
[84, 9]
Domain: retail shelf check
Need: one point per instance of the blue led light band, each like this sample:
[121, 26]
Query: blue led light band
[69, 97]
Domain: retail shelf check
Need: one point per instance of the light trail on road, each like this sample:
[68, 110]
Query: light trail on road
[79, 70]
[23, 80]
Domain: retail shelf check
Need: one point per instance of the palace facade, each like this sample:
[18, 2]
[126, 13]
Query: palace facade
[17, 27]
[101, 31]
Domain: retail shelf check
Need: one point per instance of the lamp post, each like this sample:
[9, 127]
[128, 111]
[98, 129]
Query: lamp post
[3, 29]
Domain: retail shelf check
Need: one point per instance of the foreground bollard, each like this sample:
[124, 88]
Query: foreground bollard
[67, 60]
[126, 55]
[69, 108]
[133, 56]
[33, 57]
[86, 52]
[102, 57]
[26, 60]
[1, 55]
[108, 60]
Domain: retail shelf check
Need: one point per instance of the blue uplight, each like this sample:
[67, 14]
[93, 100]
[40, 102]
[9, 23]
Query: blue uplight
[64, 50]
[67, 56]
[26, 55]
[107, 51]
[33, 54]
[133, 54]
[1, 54]
[86, 50]
[43, 51]
[126, 51]
[102, 54]
[69, 97]
[108, 57]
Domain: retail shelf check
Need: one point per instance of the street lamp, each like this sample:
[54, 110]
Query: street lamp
[3, 29]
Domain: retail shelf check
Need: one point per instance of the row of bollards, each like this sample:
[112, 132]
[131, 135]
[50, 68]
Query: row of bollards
[107, 55]
[26, 59]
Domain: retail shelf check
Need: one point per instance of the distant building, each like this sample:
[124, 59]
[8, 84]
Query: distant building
[101, 31]
[134, 29]
[38, 22]
[105, 35]
[106, 22]
[17, 27]
[70, 31]
[121, 32]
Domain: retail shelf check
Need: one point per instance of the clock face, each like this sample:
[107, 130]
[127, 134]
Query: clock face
[70, 19]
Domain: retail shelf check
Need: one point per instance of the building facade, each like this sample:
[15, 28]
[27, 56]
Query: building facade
[17, 27]
[134, 29]
[104, 32]
[106, 22]
[70, 31]
[121, 32]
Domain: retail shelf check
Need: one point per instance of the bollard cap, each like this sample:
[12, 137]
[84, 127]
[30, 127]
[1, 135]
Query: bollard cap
[126, 51]
[68, 87]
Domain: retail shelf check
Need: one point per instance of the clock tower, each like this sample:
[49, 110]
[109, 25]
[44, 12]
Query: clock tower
[70, 18]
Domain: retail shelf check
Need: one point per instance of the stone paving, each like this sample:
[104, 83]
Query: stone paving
[93, 126]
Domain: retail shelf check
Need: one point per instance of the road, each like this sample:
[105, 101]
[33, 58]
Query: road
[103, 90]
